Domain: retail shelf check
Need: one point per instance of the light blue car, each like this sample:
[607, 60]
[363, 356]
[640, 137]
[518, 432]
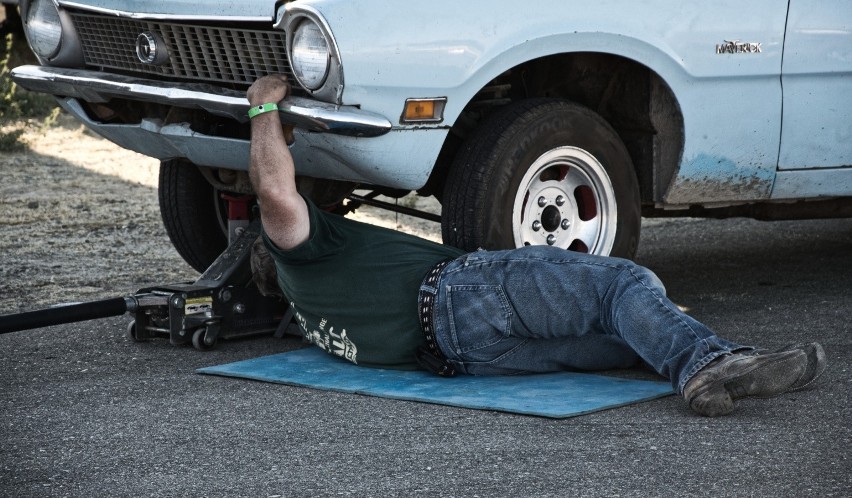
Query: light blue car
[543, 122]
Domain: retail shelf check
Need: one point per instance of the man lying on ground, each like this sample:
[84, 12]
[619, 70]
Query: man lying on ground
[382, 298]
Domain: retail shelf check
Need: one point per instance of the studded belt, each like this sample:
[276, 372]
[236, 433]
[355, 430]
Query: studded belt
[431, 358]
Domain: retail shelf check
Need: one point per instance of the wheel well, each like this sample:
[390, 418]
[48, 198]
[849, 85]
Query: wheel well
[633, 99]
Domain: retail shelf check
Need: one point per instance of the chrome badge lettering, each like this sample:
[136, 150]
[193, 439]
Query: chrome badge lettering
[738, 47]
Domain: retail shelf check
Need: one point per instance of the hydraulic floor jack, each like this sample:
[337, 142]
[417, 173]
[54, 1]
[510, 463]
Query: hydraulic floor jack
[223, 303]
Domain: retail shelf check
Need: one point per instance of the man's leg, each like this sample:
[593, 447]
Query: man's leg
[545, 309]
[550, 309]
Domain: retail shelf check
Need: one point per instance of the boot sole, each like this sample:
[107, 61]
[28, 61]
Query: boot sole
[760, 380]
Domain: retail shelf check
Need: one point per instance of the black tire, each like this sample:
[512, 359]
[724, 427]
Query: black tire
[543, 171]
[191, 211]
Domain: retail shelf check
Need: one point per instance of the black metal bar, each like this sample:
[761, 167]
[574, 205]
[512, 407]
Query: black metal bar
[64, 314]
[395, 208]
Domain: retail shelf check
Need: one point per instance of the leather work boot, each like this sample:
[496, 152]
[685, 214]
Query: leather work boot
[712, 391]
[816, 363]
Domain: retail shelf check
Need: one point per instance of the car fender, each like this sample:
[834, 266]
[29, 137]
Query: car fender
[454, 55]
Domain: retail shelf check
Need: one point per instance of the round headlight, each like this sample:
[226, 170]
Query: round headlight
[310, 56]
[44, 30]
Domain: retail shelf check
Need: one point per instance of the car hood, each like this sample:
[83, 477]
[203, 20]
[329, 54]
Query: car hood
[197, 9]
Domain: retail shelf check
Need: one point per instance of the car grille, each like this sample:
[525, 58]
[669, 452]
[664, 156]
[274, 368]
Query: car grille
[199, 53]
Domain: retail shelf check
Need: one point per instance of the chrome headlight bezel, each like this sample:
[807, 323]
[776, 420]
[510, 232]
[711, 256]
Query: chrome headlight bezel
[330, 87]
[67, 50]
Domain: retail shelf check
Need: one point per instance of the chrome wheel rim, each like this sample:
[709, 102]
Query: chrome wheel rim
[566, 200]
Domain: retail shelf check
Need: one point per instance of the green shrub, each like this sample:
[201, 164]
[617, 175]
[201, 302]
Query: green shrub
[16, 103]
[11, 141]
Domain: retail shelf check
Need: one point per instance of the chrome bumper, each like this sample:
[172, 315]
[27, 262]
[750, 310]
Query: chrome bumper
[98, 87]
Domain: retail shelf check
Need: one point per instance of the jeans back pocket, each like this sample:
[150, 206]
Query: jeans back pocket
[480, 316]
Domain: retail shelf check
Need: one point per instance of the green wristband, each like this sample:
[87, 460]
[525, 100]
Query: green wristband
[261, 109]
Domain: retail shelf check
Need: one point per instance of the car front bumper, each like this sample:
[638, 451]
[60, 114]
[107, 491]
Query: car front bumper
[334, 142]
[98, 87]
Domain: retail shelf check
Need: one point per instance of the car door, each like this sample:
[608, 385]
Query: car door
[816, 130]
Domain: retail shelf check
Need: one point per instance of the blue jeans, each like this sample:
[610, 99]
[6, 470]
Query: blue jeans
[543, 309]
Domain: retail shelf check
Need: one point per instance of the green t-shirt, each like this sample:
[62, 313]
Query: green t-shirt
[353, 288]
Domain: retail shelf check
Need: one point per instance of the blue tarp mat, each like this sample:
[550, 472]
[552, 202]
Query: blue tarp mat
[555, 395]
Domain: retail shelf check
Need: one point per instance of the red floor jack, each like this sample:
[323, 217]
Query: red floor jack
[223, 303]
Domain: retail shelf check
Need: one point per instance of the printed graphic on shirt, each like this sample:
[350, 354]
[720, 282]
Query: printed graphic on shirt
[336, 343]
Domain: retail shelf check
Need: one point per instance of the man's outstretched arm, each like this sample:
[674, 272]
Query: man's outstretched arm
[283, 211]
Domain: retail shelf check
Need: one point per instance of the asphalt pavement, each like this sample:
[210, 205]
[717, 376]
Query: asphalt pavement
[87, 412]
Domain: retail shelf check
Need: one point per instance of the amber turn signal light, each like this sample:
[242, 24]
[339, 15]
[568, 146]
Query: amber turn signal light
[429, 110]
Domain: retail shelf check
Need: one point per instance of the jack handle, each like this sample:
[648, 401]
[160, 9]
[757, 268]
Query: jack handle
[68, 313]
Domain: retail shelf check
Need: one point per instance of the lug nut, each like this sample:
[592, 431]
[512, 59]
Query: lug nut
[542, 201]
[551, 239]
[560, 200]
[565, 224]
[536, 226]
